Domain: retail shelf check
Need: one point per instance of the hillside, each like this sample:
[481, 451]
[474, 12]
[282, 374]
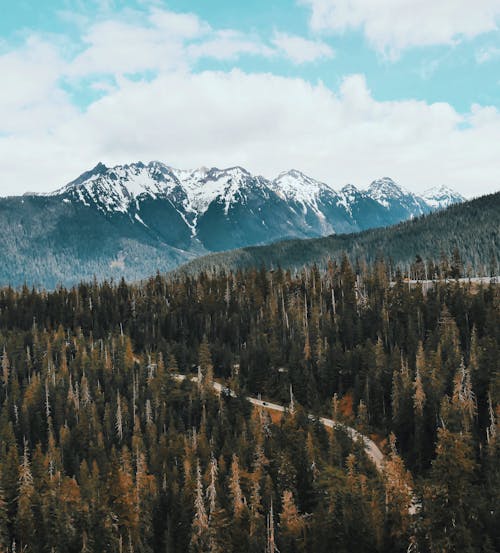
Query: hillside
[473, 227]
[45, 242]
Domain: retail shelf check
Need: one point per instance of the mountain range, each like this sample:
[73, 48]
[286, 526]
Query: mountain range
[132, 220]
[472, 228]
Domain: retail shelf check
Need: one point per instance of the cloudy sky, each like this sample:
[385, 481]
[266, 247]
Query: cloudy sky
[345, 90]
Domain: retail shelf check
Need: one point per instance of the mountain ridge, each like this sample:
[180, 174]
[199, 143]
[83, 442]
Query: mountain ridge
[290, 205]
[379, 189]
[135, 219]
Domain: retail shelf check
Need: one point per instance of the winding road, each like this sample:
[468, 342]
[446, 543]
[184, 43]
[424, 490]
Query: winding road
[371, 448]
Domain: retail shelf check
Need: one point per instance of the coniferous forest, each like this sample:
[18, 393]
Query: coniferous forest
[104, 447]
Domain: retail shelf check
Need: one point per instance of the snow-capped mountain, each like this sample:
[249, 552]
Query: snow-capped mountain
[227, 208]
[439, 197]
[134, 219]
[387, 193]
[193, 194]
[400, 203]
[295, 186]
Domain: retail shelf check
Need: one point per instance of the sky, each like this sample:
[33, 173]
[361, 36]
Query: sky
[346, 91]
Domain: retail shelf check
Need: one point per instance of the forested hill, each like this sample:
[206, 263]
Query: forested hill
[471, 227]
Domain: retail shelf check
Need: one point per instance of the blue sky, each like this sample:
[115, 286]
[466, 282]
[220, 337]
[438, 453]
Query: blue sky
[345, 90]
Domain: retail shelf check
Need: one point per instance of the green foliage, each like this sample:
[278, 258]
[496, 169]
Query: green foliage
[103, 448]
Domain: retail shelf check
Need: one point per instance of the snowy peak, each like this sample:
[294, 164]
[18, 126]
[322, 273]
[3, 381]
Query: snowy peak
[115, 189]
[439, 197]
[350, 190]
[349, 195]
[385, 190]
[204, 186]
[99, 169]
[295, 186]
[392, 196]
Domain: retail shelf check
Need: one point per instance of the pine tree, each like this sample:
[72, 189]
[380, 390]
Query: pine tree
[145, 491]
[457, 266]
[291, 525]
[399, 496]
[217, 521]
[235, 488]
[256, 529]
[25, 520]
[419, 403]
[119, 418]
[450, 499]
[205, 365]
[200, 534]
[270, 533]
[212, 488]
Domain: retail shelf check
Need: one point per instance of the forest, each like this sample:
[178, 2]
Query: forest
[104, 448]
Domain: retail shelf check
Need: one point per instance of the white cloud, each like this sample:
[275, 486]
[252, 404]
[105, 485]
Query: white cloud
[266, 123]
[300, 50]
[261, 121]
[487, 54]
[30, 96]
[229, 45]
[180, 25]
[162, 41]
[393, 25]
[117, 47]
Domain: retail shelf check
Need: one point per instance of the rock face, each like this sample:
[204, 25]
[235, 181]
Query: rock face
[132, 220]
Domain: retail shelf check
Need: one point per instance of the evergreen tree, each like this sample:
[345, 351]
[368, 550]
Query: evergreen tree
[200, 536]
[292, 526]
[450, 498]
